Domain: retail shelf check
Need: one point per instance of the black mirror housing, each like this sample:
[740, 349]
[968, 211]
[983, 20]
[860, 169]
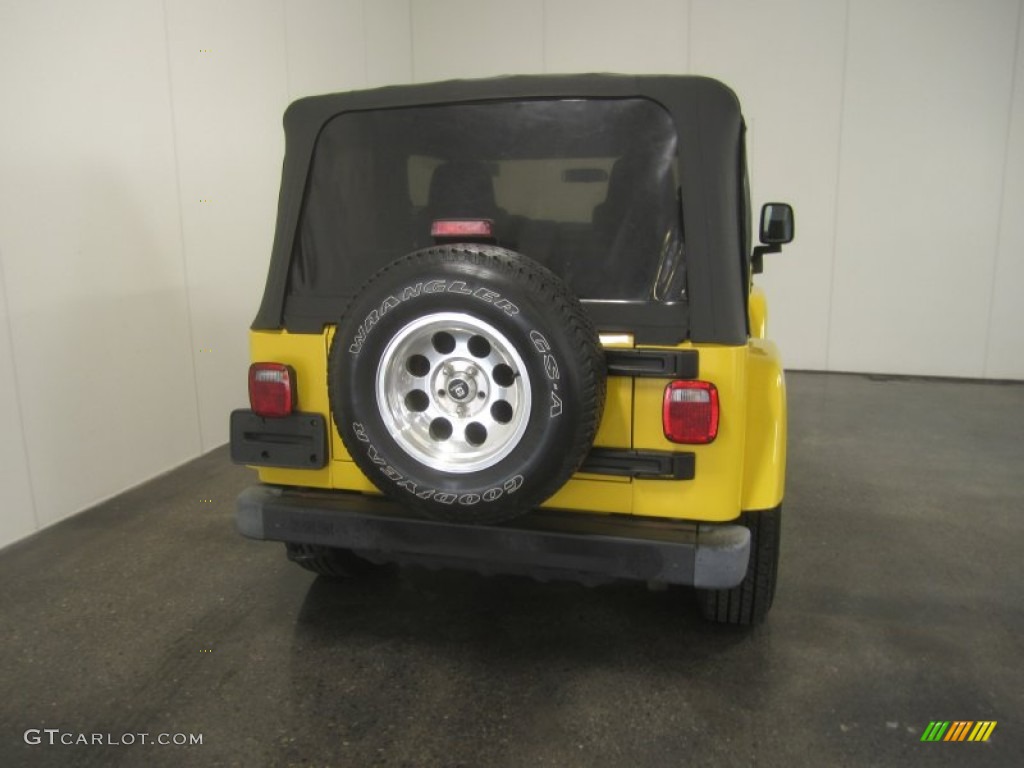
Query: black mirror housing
[777, 223]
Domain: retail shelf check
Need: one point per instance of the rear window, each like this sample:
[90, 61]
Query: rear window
[587, 187]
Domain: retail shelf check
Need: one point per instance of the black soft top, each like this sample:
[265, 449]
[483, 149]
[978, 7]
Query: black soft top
[711, 160]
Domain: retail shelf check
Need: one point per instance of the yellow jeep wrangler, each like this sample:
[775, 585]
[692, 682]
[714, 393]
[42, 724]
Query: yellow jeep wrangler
[509, 325]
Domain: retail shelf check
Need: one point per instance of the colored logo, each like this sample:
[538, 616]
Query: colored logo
[958, 730]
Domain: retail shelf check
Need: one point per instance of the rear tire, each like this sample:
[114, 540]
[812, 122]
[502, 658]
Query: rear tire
[336, 564]
[749, 601]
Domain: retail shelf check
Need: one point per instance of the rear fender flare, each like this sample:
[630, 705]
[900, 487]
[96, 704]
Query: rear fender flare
[764, 467]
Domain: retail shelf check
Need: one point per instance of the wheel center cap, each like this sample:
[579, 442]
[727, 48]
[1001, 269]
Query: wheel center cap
[458, 390]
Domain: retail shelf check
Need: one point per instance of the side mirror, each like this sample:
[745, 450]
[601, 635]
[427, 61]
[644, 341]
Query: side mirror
[776, 223]
[777, 228]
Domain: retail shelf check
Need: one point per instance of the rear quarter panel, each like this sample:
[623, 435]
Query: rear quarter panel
[714, 493]
[764, 461]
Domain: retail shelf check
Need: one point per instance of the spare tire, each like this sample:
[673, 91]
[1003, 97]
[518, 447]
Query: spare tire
[467, 382]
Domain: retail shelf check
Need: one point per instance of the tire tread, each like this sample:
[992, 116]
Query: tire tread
[335, 564]
[748, 602]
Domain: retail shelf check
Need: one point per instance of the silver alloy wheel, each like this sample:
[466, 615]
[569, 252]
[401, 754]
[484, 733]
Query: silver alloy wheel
[453, 392]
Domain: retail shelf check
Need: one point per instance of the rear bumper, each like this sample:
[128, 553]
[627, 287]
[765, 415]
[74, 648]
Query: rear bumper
[547, 545]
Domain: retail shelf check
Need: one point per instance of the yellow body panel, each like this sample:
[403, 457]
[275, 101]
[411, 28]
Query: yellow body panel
[616, 430]
[757, 311]
[594, 493]
[715, 492]
[743, 468]
[764, 459]
[307, 354]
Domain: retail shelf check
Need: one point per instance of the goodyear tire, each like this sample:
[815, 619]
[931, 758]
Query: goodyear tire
[466, 382]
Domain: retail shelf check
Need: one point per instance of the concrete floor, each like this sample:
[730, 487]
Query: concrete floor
[900, 602]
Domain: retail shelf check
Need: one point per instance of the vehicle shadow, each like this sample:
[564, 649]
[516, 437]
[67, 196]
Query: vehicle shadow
[509, 618]
[453, 668]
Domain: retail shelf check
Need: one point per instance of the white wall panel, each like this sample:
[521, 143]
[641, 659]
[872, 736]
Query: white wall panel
[17, 512]
[785, 62]
[91, 248]
[1005, 354]
[921, 179]
[641, 37]
[388, 42]
[229, 90]
[326, 46]
[341, 46]
[476, 38]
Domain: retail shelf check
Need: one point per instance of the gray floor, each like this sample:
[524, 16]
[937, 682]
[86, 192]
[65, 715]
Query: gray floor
[900, 602]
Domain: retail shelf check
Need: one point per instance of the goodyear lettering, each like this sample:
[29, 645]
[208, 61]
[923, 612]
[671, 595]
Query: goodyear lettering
[510, 486]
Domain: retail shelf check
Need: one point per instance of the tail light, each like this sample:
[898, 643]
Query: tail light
[456, 228]
[271, 389]
[690, 412]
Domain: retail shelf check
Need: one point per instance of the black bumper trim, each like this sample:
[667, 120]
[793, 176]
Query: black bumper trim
[653, 363]
[590, 548]
[297, 441]
[653, 465]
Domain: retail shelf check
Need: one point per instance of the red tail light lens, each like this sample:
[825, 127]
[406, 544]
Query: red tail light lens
[271, 389]
[442, 228]
[690, 412]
